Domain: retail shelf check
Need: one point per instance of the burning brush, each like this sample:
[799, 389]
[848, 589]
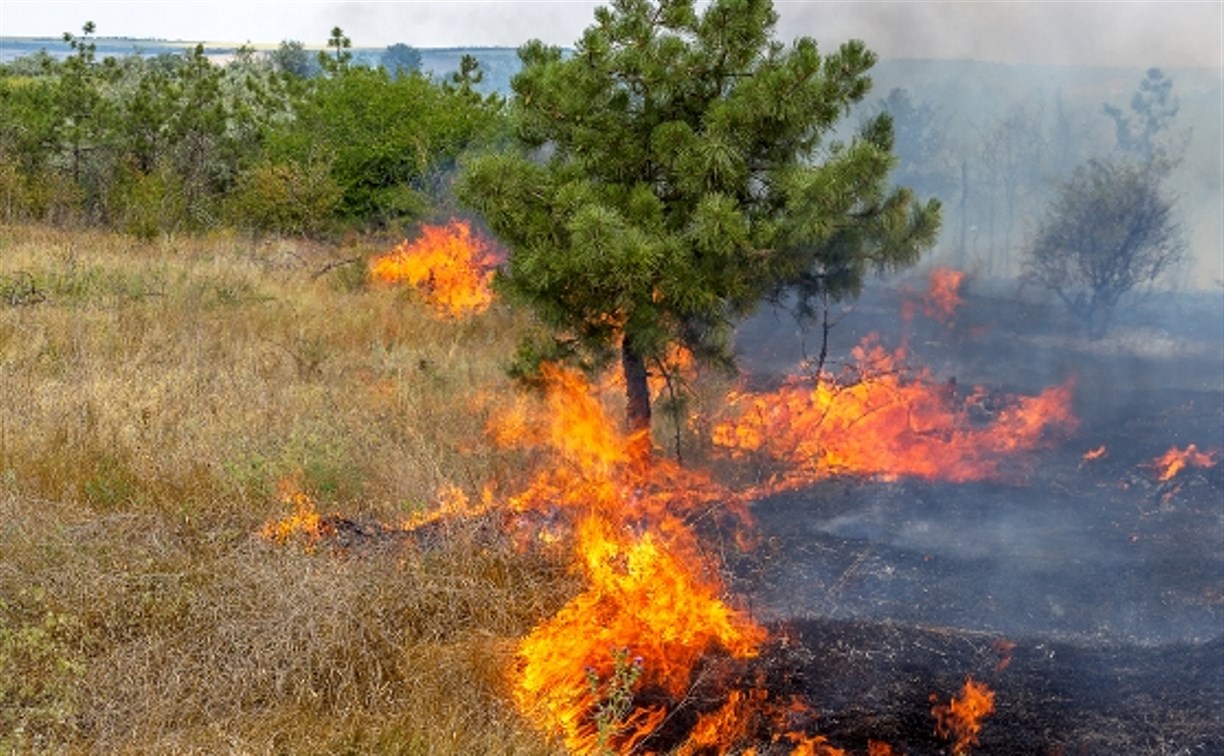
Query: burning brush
[652, 656]
[451, 267]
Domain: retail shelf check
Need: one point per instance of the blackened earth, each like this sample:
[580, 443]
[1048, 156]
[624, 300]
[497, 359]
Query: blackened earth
[1086, 593]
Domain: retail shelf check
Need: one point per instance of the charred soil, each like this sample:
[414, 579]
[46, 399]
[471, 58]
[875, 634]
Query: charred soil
[1084, 590]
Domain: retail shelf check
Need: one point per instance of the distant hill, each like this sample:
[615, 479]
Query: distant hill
[498, 63]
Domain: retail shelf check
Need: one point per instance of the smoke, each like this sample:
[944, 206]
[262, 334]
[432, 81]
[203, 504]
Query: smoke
[1165, 34]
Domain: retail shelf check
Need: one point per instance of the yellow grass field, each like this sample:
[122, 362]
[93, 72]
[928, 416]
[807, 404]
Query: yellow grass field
[152, 397]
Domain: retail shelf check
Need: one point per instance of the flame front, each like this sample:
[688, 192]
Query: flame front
[449, 265]
[641, 597]
[881, 421]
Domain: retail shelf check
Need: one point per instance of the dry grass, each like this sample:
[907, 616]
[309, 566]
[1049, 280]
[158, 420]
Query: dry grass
[149, 407]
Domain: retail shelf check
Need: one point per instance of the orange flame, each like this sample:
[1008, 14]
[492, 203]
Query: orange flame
[727, 725]
[641, 596]
[449, 265]
[883, 422]
[649, 590]
[1175, 460]
[943, 295]
[304, 520]
[1093, 454]
[962, 717]
[678, 365]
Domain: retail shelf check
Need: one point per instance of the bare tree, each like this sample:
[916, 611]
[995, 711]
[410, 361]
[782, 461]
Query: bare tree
[1110, 229]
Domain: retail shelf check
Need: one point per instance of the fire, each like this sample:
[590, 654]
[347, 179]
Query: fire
[962, 717]
[304, 520]
[881, 420]
[943, 295]
[449, 265]
[452, 503]
[1093, 454]
[645, 598]
[651, 595]
[1172, 462]
[677, 365]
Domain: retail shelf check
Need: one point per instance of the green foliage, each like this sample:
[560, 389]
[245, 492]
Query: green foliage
[400, 59]
[293, 60]
[1110, 230]
[40, 666]
[148, 204]
[292, 197]
[175, 142]
[614, 697]
[391, 140]
[341, 53]
[666, 178]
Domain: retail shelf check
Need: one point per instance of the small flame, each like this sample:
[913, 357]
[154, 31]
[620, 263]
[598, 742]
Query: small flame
[943, 295]
[452, 503]
[677, 365]
[961, 718]
[1093, 454]
[304, 520]
[451, 267]
[1004, 648]
[1172, 462]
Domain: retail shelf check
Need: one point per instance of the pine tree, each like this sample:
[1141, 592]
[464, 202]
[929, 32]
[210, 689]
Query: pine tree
[672, 172]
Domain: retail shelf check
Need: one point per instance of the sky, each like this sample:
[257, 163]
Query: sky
[1124, 33]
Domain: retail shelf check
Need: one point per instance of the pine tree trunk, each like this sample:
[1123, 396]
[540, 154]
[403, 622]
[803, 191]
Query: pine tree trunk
[637, 392]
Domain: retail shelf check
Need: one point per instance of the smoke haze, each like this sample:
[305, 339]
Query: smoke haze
[1128, 34]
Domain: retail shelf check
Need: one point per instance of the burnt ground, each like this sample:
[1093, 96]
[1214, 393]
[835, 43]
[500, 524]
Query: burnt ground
[1109, 583]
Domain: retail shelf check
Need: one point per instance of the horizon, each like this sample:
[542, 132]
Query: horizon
[1172, 34]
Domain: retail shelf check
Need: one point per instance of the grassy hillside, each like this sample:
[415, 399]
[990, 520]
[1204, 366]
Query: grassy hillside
[155, 395]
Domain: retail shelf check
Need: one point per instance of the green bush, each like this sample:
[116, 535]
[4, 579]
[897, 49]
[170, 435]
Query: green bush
[148, 204]
[291, 197]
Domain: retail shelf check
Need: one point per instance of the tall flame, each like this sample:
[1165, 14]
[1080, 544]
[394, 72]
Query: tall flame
[961, 718]
[650, 591]
[449, 265]
[881, 420]
[943, 295]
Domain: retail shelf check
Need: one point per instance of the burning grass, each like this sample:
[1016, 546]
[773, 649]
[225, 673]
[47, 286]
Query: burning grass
[479, 570]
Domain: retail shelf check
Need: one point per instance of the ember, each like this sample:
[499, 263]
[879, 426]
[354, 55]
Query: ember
[451, 267]
[1093, 454]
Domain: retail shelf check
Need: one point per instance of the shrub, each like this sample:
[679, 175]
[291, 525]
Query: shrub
[290, 197]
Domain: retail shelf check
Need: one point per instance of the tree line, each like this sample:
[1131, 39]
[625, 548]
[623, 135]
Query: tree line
[654, 185]
[286, 141]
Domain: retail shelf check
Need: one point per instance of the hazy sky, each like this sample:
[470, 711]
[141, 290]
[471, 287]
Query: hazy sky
[1133, 34]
